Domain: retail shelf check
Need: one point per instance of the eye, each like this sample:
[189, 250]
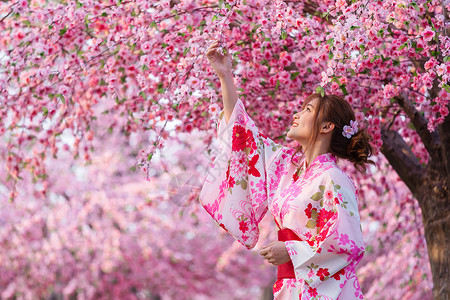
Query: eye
[308, 109]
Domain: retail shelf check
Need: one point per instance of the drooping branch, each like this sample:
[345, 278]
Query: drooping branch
[402, 159]
[431, 140]
[312, 8]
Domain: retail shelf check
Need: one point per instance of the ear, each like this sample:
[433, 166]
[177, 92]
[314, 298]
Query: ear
[326, 127]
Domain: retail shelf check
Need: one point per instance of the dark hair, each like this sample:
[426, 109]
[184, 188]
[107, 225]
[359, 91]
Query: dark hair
[334, 109]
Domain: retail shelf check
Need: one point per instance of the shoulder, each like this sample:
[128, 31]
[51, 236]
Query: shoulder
[337, 175]
[344, 188]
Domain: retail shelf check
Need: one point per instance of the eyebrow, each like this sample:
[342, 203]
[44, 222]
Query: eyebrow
[309, 105]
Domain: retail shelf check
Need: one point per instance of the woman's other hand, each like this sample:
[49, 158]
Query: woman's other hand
[275, 253]
[221, 63]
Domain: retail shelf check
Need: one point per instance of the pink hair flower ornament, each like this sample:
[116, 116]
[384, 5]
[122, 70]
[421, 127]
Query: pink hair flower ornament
[349, 131]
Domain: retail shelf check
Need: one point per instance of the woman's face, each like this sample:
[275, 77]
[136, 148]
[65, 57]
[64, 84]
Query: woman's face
[303, 124]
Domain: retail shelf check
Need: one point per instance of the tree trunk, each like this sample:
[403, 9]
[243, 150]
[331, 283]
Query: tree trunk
[436, 222]
[430, 186]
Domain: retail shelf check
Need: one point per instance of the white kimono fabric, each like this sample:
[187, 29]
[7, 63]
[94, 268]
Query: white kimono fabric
[252, 174]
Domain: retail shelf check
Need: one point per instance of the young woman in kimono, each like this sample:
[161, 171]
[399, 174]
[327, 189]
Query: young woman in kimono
[313, 202]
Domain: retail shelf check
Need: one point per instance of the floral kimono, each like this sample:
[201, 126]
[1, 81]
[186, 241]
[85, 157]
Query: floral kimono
[318, 203]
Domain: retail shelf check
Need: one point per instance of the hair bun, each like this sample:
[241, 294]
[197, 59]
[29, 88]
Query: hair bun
[360, 149]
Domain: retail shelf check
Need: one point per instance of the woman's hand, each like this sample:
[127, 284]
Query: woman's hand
[275, 253]
[221, 63]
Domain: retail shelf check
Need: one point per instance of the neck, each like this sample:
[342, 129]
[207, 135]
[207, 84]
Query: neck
[317, 149]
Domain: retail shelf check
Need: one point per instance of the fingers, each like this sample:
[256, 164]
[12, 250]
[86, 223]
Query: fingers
[264, 252]
[212, 49]
[215, 44]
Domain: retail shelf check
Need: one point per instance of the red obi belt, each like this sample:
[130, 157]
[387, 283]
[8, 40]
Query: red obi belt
[286, 270]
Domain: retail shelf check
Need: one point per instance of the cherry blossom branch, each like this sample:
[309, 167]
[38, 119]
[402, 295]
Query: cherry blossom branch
[402, 159]
[187, 12]
[7, 15]
[430, 140]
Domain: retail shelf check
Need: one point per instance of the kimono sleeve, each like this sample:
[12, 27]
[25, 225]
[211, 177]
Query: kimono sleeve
[330, 256]
[235, 191]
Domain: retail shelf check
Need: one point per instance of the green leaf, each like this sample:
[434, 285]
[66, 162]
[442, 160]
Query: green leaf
[330, 42]
[186, 50]
[403, 46]
[362, 47]
[446, 87]
[149, 157]
[317, 196]
[142, 94]
[294, 75]
[214, 18]
[414, 4]
[153, 24]
[335, 79]
[283, 35]
[320, 90]
[45, 110]
[62, 31]
[322, 188]
[446, 58]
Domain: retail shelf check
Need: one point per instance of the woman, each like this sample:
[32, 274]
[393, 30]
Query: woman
[313, 202]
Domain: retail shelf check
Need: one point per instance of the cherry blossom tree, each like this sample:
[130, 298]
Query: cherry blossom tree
[139, 66]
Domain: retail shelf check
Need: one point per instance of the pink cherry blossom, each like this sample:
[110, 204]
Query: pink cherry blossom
[428, 34]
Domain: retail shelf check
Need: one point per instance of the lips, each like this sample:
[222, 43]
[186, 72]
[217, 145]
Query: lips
[294, 124]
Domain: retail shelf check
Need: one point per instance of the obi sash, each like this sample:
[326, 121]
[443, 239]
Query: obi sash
[286, 270]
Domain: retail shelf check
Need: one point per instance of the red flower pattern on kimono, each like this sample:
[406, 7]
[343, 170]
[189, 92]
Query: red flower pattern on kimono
[337, 275]
[277, 286]
[322, 273]
[239, 138]
[251, 166]
[243, 226]
[313, 292]
[231, 182]
[324, 217]
[251, 144]
[309, 210]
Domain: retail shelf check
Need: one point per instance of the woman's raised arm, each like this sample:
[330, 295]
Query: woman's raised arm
[221, 63]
